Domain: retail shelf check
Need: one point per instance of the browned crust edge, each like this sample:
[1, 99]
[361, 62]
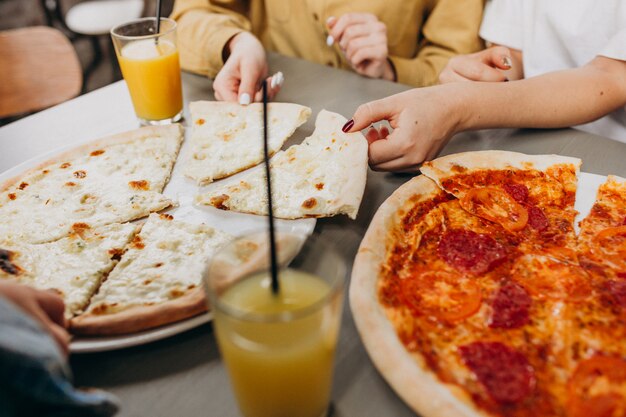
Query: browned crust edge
[139, 318]
[406, 373]
[117, 139]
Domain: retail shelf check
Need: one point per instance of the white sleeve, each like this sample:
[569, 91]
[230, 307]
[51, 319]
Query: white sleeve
[616, 46]
[502, 23]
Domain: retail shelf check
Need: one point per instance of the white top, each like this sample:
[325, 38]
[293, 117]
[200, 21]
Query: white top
[561, 34]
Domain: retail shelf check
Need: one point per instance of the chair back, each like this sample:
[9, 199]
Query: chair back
[38, 68]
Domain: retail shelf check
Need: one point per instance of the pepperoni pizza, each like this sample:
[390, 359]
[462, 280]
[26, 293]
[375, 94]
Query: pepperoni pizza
[475, 297]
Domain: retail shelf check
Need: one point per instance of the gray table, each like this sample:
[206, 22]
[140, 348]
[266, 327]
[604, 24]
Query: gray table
[183, 375]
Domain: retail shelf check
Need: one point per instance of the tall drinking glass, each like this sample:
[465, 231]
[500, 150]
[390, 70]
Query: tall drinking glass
[278, 348]
[150, 66]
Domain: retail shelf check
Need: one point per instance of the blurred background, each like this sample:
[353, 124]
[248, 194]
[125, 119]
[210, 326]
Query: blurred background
[84, 23]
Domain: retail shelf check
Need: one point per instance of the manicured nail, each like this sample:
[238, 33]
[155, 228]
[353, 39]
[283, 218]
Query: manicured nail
[330, 40]
[329, 20]
[244, 99]
[273, 81]
[346, 128]
[506, 61]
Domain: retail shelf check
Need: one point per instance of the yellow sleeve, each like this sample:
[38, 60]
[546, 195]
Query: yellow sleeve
[450, 29]
[204, 28]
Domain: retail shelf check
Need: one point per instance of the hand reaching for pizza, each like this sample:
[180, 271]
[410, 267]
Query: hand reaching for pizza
[45, 307]
[241, 77]
[421, 122]
[494, 64]
[363, 40]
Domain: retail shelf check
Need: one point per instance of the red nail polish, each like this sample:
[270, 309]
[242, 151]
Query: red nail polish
[346, 128]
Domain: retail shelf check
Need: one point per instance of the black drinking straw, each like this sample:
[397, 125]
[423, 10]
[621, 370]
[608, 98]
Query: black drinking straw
[158, 20]
[273, 261]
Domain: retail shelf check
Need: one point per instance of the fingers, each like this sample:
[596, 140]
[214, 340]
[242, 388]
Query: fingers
[471, 68]
[35, 309]
[370, 113]
[52, 304]
[274, 83]
[337, 26]
[498, 56]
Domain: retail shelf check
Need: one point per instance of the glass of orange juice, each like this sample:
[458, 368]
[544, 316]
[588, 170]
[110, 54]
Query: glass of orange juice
[150, 66]
[278, 348]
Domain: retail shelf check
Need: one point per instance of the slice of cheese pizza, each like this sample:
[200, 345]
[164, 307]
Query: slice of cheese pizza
[323, 176]
[73, 266]
[112, 180]
[226, 137]
[157, 281]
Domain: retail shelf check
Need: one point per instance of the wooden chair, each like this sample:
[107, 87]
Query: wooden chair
[40, 68]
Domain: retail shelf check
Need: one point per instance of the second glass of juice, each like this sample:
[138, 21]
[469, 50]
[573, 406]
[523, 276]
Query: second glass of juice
[278, 348]
[150, 66]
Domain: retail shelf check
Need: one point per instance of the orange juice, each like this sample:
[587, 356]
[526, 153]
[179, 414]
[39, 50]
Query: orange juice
[280, 368]
[152, 72]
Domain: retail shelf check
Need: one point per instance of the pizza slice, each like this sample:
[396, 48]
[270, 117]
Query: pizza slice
[226, 138]
[323, 176]
[112, 180]
[531, 196]
[73, 266]
[157, 281]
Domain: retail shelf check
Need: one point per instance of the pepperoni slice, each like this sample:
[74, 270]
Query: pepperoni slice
[519, 192]
[537, 219]
[497, 206]
[468, 251]
[447, 296]
[510, 307]
[504, 372]
[617, 290]
[543, 277]
[596, 388]
[610, 245]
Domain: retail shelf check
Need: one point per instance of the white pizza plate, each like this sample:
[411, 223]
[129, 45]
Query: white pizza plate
[183, 190]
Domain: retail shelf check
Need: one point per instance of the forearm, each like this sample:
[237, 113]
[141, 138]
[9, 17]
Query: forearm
[558, 99]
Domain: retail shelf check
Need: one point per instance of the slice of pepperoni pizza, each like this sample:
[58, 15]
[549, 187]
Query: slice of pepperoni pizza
[529, 195]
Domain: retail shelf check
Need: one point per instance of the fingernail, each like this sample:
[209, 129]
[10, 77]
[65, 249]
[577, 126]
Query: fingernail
[330, 19]
[280, 78]
[273, 81]
[244, 99]
[330, 40]
[346, 128]
[506, 61]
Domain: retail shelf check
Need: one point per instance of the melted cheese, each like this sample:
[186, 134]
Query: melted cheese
[227, 138]
[163, 263]
[74, 265]
[114, 184]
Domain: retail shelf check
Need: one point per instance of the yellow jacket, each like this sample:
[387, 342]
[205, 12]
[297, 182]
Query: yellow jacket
[422, 34]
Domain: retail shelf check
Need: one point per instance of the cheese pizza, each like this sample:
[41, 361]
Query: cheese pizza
[321, 177]
[474, 296]
[112, 180]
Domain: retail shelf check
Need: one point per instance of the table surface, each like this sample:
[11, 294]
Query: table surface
[184, 375]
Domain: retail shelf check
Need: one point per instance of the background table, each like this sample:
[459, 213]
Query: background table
[184, 375]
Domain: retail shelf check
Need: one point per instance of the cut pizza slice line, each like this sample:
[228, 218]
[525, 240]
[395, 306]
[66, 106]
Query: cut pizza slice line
[157, 281]
[323, 176]
[73, 266]
[226, 137]
[112, 180]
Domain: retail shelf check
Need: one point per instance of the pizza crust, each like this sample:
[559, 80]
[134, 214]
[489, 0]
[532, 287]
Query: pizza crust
[466, 162]
[406, 373]
[141, 317]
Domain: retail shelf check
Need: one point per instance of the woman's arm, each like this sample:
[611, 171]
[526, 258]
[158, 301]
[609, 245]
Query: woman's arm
[424, 119]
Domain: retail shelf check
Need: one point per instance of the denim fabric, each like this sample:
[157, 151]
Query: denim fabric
[35, 379]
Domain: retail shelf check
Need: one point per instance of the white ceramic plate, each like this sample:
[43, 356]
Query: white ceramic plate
[183, 190]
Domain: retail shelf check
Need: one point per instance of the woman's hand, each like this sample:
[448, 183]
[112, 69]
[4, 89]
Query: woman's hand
[363, 40]
[243, 73]
[494, 64]
[45, 307]
[422, 119]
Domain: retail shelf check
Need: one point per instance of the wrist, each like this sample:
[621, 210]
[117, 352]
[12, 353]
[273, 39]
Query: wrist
[462, 106]
[230, 45]
[389, 71]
